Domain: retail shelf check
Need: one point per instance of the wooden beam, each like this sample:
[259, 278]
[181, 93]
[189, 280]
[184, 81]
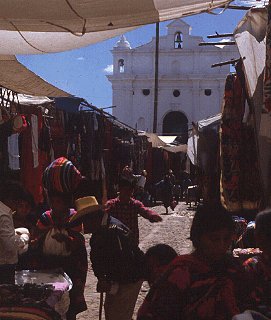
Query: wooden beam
[221, 43]
[217, 35]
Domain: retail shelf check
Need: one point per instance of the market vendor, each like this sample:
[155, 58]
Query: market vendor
[10, 194]
[60, 245]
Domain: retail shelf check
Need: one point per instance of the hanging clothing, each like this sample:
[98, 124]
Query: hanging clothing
[13, 152]
[35, 139]
[240, 185]
[267, 72]
[31, 177]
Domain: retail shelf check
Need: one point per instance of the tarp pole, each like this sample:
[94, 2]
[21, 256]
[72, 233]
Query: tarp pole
[155, 104]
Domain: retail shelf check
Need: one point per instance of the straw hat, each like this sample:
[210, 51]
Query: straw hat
[85, 206]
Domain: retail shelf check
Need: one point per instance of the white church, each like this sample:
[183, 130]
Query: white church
[188, 88]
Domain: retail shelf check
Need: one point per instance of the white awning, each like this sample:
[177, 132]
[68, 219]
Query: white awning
[94, 15]
[16, 77]
[167, 139]
[250, 38]
[44, 26]
[210, 121]
[25, 99]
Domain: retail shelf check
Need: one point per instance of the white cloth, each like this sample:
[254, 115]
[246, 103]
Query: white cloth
[8, 248]
[53, 247]
[22, 236]
[192, 147]
[141, 182]
[13, 152]
[250, 315]
[35, 139]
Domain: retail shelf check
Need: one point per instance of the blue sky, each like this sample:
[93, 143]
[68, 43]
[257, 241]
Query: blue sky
[81, 71]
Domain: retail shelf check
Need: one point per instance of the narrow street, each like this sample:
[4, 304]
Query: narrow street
[173, 230]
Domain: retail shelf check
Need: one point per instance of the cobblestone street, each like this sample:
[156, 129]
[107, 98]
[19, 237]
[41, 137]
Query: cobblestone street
[173, 230]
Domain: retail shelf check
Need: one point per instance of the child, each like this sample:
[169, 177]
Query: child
[157, 258]
[25, 213]
[259, 266]
[206, 284]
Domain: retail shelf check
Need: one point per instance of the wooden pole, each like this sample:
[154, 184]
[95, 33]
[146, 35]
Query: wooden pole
[156, 72]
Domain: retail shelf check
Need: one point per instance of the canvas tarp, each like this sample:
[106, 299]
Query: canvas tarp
[55, 25]
[167, 139]
[176, 149]
[153, 139]
[250, 39]
[16, 77]
[211, 122]
[33, 100]
[250, 36]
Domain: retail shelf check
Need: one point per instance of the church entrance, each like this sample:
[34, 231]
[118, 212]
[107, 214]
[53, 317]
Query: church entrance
[175, 123]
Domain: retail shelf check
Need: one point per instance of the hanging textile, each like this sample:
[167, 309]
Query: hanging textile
[13, 152]
[35, 139]
[267, 72]
[240, 185]
[31, 176]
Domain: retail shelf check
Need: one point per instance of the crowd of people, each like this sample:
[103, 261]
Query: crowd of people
[207, 284]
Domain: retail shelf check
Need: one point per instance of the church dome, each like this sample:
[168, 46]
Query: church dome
[123, 43]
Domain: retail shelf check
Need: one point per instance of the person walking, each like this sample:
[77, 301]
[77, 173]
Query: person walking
[116, 260]
[126, 209]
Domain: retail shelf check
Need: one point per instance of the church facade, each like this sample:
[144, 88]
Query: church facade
[188, 88]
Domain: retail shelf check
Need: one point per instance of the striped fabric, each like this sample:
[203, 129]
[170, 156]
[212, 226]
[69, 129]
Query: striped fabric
[27, 313]
[62, 176]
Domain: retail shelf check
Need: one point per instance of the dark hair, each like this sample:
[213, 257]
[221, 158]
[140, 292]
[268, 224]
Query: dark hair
[66, 197]
[208, 219]
[125, 183]
[11, 190]
[163, 252]
[28, 197]
[263, 222]
[83, 189]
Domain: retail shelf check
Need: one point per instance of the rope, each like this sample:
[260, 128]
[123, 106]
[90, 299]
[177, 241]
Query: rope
[31, 45]
[67, 29]
[222, 11]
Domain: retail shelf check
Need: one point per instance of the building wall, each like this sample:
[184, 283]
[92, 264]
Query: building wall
[187, 70]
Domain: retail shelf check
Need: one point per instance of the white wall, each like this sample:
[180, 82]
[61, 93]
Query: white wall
[188, 70]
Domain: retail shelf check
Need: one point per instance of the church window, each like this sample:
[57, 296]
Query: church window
[146, 92]
[121, 65]
[208, 92]
[178, 40]
[176, 93]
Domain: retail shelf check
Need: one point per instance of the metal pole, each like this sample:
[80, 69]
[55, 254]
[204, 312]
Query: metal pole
[101, 305]
[155, 104]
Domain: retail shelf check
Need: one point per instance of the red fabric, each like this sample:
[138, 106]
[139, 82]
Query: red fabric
[128, 213]
[31, 177]
[193, 289]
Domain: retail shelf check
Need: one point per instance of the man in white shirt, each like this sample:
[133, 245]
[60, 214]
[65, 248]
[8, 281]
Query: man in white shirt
[10, 195]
